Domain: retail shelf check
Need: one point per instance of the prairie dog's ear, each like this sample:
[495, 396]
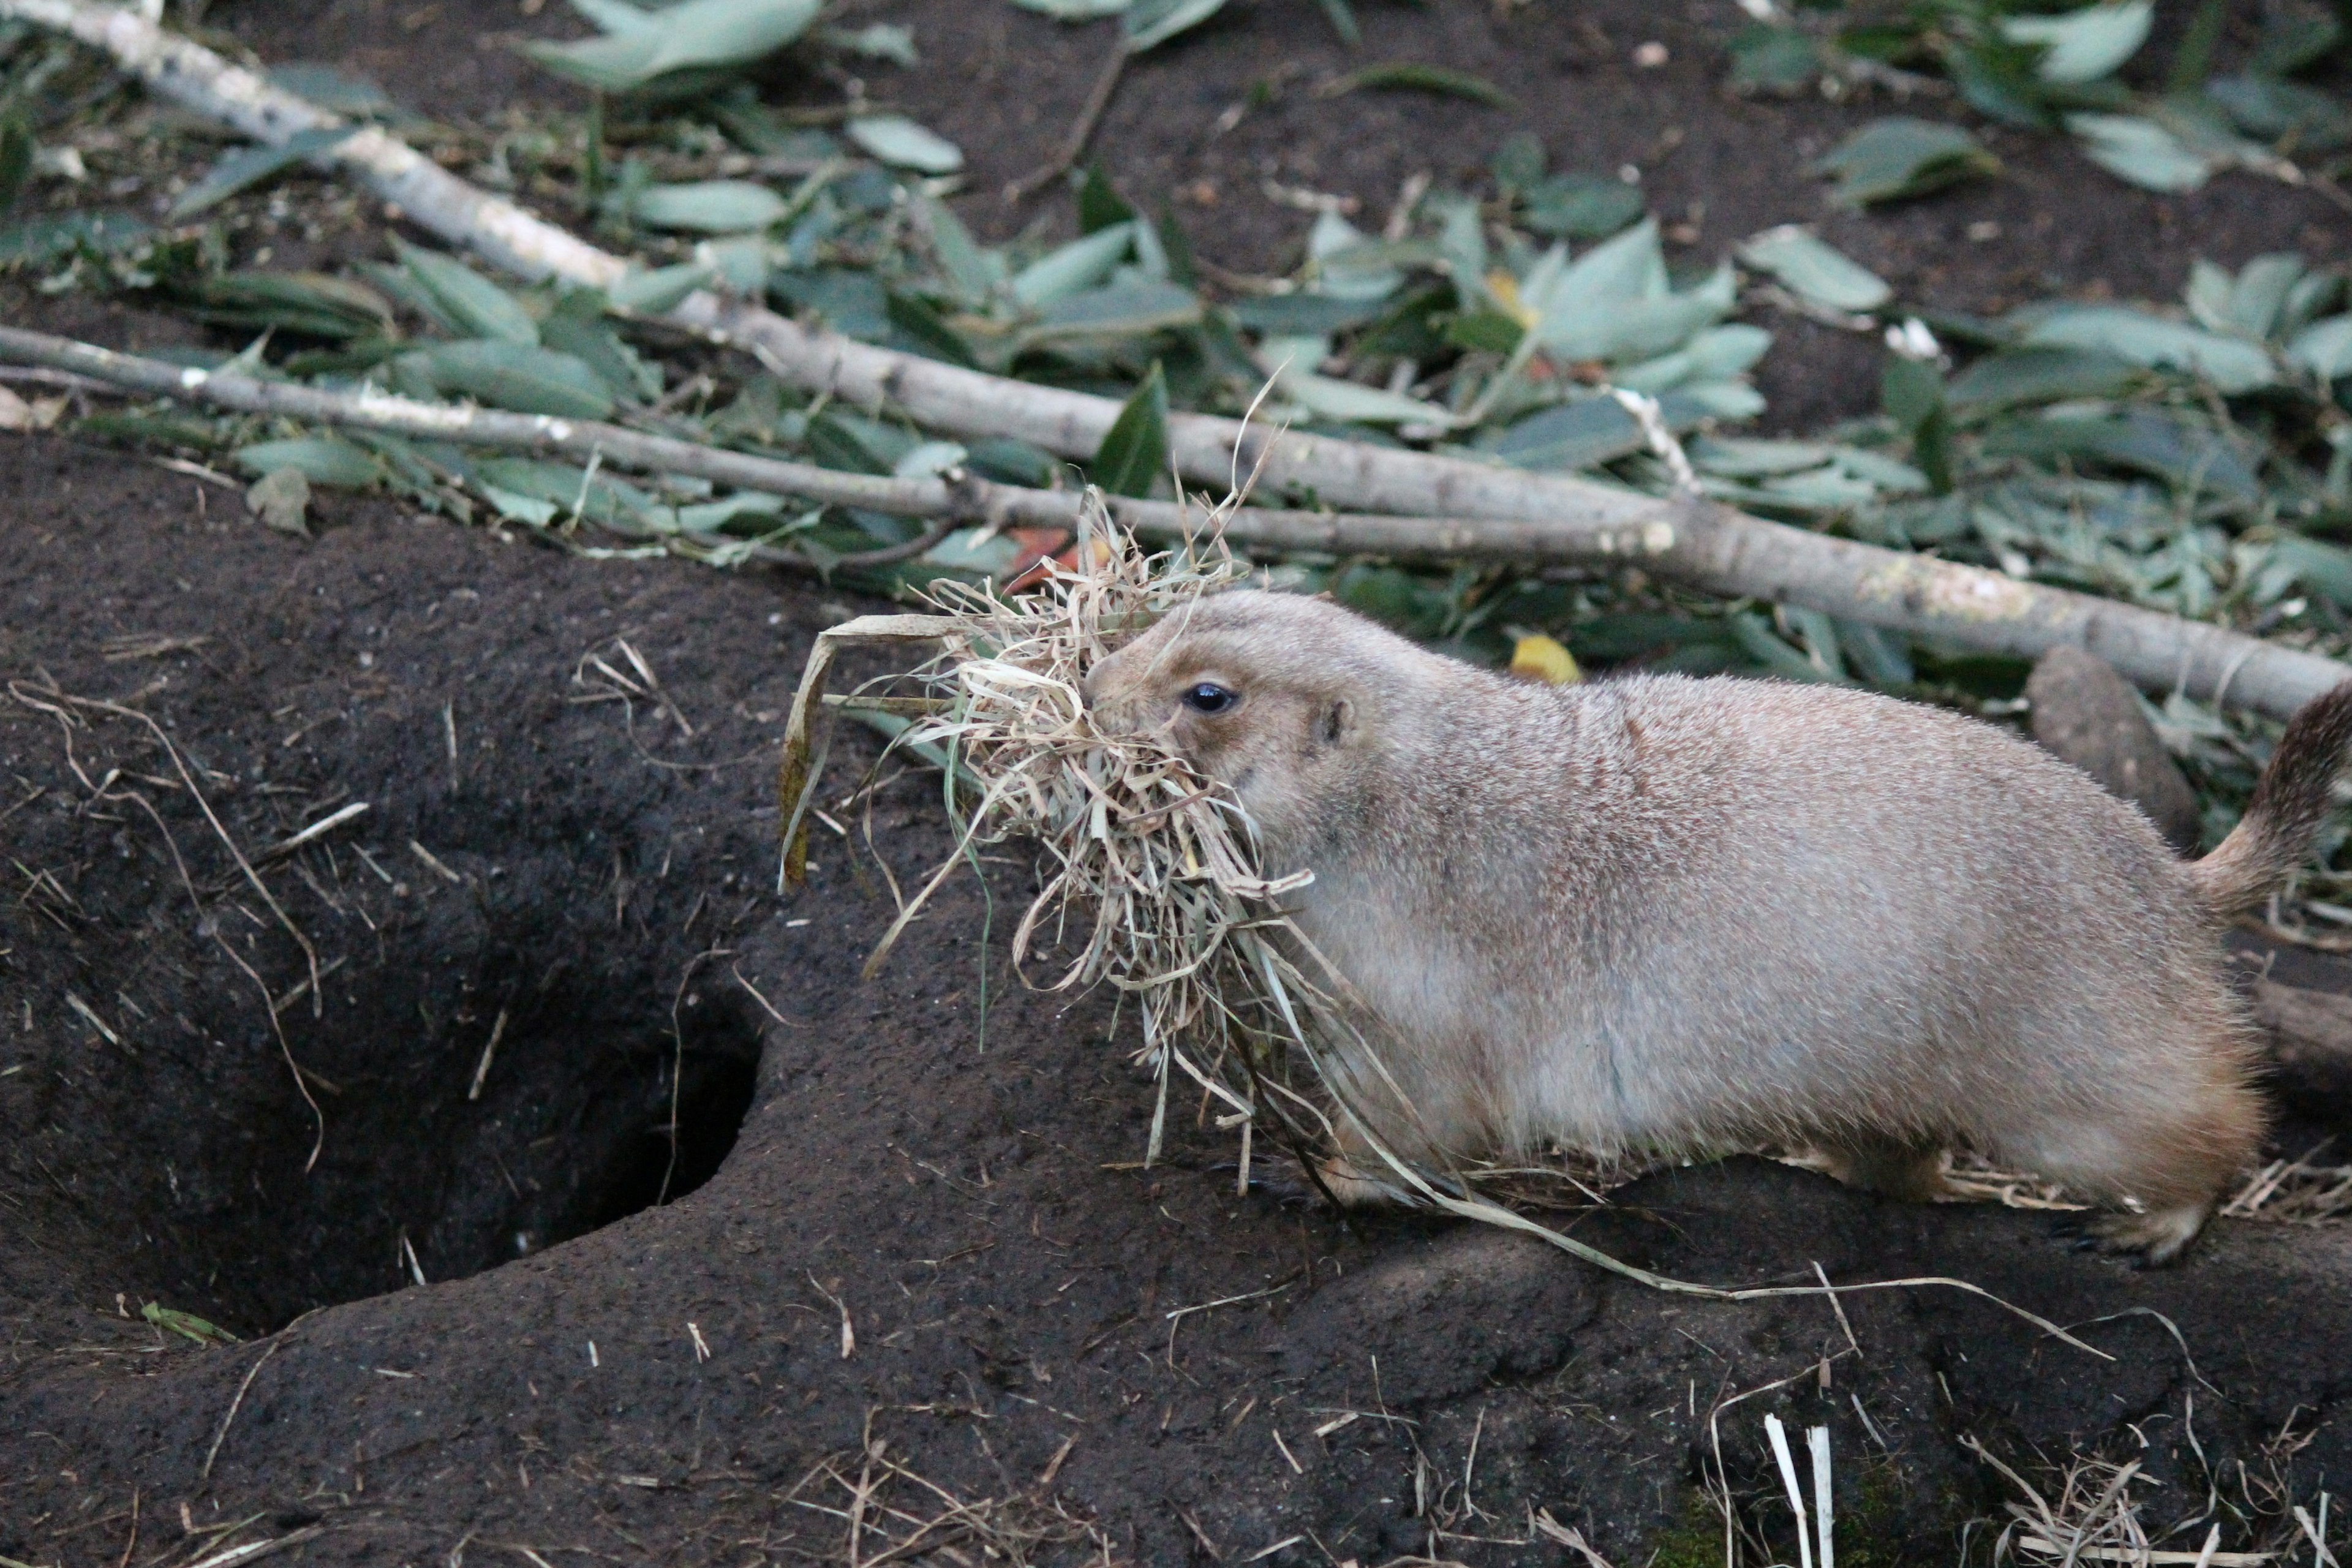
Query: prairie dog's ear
[1336, 721]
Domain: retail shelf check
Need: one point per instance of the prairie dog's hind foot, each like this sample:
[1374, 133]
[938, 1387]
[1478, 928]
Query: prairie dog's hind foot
[2158, 1237]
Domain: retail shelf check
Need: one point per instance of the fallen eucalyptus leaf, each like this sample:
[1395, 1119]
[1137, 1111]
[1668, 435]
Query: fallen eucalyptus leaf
[1421, 77]
[471, 301]
[249, 166]
[1766, 57]
[696, 34]
[1148, 23]
[2232, 364]
[892, 41]
[2140, 151]
[312, 304]
[903, 144]
[1129, 310]
[1134, 450]
[654, 292]
[1900, 156]
[708, 207]
[1581, 206]
[2324, 348]
[1081, 264]
[322, 459]
[2083, 45]
[16, 150]
[1816, 270]
[516, 376]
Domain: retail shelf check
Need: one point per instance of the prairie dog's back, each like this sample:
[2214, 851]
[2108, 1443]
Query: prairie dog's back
[1778, 897]
[1691, 914]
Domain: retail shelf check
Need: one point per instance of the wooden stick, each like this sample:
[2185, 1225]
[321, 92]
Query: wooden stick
[959, 496]
[1714, 548]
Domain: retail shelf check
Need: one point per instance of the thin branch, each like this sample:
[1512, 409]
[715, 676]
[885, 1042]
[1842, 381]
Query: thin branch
[957, 499]
[1082, 129]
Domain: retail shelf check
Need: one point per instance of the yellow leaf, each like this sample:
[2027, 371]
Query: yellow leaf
[1540, 658]
[1505, 290]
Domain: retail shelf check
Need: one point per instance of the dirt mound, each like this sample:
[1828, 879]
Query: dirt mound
[913, 1237]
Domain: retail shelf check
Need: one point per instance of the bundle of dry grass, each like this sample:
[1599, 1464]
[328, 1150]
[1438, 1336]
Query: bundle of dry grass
[1151, 883]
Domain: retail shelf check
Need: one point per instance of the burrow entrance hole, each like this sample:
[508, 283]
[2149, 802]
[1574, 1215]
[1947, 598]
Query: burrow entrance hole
[610, 1089]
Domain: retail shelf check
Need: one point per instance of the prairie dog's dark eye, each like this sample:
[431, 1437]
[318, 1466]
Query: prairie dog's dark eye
[1209, 697]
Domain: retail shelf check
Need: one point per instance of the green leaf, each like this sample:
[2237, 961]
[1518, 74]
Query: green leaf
[2140, 151]
[928, 330]
[1303, 315]
[706, 206]
[1076, 10]
[17, 149]
[525, 379]
[2232, 364]
[1912, 393]
[892, 41]
[2324, 348]
[1175, 245]
[331, 88]
[475, 303]
[1081, 264]
[1816, 270]
[2275, 111]
[698, 34]
[2040, 375]
[592, 342]
[1130, 310]
[659, 290]
[1768, 59]
[2083, 45]
[321, 459]
[1902, 156]
[1418, 75]
[1581, 206]
[1100, 207]
[1997, 78]
[312, 304]
[1481, 332]
[900, 142]
[1150, 22]
[1570, 436]
[1134, 450]
[249, 166]
[2145, 440]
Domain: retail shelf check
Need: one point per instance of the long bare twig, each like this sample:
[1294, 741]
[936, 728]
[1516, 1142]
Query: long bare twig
[958, 498]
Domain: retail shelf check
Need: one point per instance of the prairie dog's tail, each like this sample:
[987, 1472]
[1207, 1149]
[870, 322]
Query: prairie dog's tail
[2290, 802]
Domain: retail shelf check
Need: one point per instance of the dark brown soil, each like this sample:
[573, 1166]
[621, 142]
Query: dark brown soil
[594, 1374]
[1007, 1271]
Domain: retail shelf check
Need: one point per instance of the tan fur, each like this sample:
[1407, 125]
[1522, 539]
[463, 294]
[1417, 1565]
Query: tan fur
[1662, 914]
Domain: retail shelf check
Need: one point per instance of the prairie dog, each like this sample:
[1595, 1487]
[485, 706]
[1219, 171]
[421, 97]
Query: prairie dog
[1686, 915]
